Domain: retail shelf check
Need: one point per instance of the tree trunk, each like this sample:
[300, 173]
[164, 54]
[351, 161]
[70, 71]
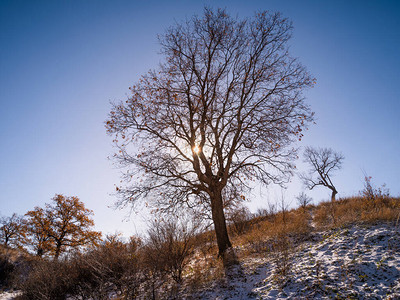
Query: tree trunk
[39, 252]
[334, 192]
[58, 250]
[333, 205]
[218, 217]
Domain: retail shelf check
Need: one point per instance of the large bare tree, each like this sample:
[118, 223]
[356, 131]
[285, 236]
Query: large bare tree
[220, 112]
[323, 162]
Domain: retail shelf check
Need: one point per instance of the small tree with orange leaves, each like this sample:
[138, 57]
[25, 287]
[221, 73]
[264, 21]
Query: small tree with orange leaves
[66, 223]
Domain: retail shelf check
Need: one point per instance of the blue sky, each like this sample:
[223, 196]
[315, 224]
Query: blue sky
[62, 62]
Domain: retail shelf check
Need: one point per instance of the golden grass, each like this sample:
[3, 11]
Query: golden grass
[356, 209]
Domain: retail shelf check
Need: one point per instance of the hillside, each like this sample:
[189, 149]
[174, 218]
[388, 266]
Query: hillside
[357, 261]
[349, 250]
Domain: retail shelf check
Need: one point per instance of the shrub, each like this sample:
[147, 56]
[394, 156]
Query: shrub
[49, 280]
[111, 268]
[239, 220]
[169, 245]
[7, 269]
[282, 251]
[14, 263]
[323, 214]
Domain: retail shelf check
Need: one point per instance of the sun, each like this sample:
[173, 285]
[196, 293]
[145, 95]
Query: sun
[196, 149]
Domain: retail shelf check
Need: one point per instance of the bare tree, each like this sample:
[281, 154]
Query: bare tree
[220, 112]
[323, 162]
[303, 200]
[12, 230]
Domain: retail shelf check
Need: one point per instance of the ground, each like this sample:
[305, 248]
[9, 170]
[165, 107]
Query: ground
[355, 262]
[361, 261]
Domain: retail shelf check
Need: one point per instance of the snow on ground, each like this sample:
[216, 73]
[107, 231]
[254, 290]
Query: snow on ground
[357, 262]
[9, 295]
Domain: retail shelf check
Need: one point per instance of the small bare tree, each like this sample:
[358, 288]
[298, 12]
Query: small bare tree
[323, 162]
[11, 230]
[284, 208]
[303, 200]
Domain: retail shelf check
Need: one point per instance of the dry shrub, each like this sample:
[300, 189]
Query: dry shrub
[377, 203]
[349, 210]
[258, 239]
[300, 223]
[13, 265]
[111, 268]
[165, 256]
[206, 244]
[292, 223]
[7, 271]
[49, 280]
[373, 204]
[239, 220]
[303, 201]
[169, 246]
[323, 215]
[282, 251]
[255, 240]
[383, 209]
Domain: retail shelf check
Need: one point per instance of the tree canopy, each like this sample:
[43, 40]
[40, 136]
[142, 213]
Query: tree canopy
[221, 111]
[66, 223]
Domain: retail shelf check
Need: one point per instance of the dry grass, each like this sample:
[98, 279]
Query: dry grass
[355, 209]
[259, 238]
[203, 271]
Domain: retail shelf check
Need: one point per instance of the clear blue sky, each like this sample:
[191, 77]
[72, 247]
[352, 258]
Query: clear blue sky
[62, 62]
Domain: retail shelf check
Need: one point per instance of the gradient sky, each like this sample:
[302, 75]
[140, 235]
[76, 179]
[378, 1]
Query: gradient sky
[62, 62]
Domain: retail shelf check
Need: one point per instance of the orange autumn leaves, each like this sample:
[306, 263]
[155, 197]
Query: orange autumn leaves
[65, 223]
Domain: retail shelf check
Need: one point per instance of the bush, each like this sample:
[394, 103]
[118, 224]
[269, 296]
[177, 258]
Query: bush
[109, 269]
[169, 245]
[282, 252]
[7, 269]
[49, 280]
[239, 220]
[14, 263]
